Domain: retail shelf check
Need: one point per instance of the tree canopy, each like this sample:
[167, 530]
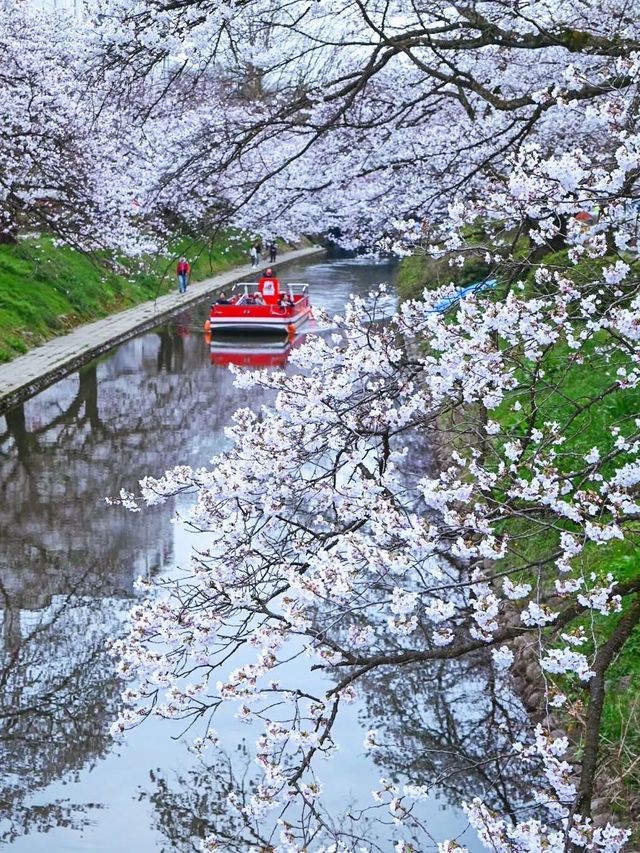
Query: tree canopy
[501, 130]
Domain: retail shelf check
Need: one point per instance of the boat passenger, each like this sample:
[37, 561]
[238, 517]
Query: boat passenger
[269, 287]
[222, 299]
[269, 276]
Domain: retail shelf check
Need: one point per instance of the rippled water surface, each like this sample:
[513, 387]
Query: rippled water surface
[67, 566]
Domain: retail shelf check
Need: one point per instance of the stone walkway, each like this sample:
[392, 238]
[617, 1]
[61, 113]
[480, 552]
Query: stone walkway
[26, 375]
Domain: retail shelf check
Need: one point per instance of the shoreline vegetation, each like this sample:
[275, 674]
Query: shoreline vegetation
[48, 289]
[577, 392]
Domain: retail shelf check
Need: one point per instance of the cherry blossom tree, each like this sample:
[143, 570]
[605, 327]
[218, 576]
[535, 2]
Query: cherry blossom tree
[507, 130]
[336, 552]
[351, 125]
[73, 162]
[242, 113]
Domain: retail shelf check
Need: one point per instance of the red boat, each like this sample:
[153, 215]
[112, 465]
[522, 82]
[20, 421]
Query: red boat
[263, 306]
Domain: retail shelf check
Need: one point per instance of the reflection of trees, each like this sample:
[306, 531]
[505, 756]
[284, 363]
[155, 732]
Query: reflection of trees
[88, 436]
[195, 805]
[138, 411]
[170, 351]
[57, 694]
[450, 726]
[116, 421]
[62, 452]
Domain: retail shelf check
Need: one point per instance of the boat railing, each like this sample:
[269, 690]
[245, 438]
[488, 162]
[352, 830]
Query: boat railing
[295, 287]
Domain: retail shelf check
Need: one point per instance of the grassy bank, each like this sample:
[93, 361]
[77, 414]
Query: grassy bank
[578, 390]
[418, 272]
[575, 392]
[47, 289]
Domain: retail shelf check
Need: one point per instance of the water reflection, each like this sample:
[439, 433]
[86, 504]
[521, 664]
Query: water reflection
[450, 726]
[253, 351]
[68, 560]
[58, 692]
[67, 565]
[446, 726]
[194, 805]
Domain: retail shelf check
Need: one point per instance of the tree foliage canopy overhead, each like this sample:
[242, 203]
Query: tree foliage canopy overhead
[505, 130]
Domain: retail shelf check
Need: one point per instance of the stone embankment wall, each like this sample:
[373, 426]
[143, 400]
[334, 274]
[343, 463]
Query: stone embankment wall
[530, 685]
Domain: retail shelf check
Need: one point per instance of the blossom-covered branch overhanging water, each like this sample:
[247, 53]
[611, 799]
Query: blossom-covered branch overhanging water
[496, 131]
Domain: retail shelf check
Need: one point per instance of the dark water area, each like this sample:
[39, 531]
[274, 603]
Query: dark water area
[68, 561]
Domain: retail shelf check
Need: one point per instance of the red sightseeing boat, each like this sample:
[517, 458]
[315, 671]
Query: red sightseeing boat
[265, 306]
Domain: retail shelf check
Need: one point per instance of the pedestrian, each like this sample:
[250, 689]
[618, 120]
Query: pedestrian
[273, 251]
[259, 248]
[254, 256]
[183, 271]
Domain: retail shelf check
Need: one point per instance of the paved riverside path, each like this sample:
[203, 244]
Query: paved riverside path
[26, 375]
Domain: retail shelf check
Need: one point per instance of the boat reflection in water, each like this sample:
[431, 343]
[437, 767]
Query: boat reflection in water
[252, 350]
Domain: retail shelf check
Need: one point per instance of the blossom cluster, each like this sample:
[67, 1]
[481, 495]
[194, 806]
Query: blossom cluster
[338, 554]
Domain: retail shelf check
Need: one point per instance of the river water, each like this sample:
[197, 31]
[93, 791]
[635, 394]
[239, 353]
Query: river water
[67, 566]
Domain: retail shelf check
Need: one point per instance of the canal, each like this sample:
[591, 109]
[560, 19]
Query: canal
[68, 561]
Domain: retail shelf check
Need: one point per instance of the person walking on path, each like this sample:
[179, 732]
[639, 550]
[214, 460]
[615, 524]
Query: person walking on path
[273, 251]
[183, 270]
[254, 255]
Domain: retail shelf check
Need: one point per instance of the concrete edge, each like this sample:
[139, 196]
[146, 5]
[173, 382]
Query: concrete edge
[75, 360]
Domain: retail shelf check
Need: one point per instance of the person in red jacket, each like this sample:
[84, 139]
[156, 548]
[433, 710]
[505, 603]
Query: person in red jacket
[182, 272]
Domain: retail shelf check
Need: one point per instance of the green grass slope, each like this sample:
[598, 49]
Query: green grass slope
[47, 289]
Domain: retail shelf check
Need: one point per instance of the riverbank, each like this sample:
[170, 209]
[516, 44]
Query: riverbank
[48, 288]
[26, 375]
[574, 392]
